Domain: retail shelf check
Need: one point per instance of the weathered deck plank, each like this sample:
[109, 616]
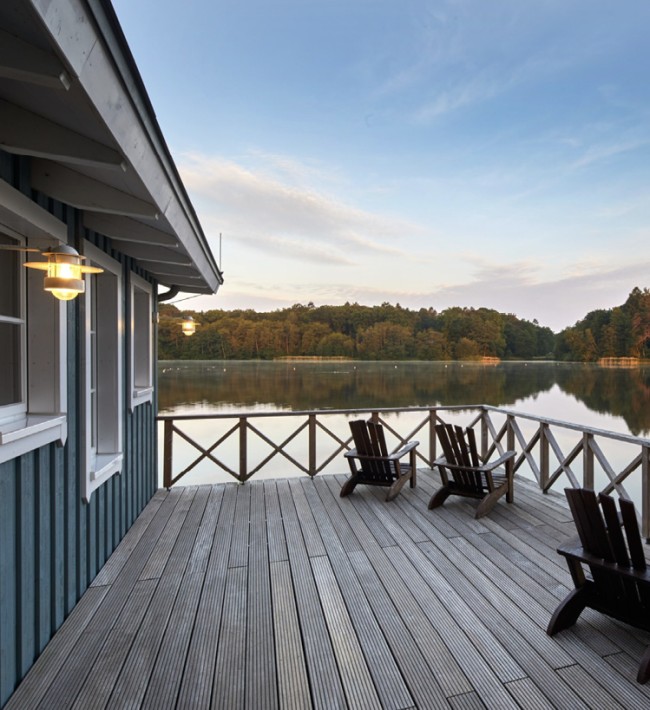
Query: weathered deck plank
[280, 594]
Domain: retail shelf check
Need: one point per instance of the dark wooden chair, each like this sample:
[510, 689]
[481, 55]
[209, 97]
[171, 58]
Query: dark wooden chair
[465, 473]
[370, 462]
[610, 547]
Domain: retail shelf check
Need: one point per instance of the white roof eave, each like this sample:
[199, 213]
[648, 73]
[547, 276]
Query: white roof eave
[99, 62]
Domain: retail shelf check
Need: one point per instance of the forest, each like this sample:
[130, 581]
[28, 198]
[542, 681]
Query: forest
[619, 332]
[390, 332]
[383, 332]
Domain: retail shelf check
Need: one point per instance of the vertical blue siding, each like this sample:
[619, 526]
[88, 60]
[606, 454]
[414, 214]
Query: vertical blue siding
[8, 566]
[52, 544]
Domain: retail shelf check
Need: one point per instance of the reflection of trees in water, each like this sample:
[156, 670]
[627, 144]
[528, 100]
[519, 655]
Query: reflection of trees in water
[348, 385]
[620, 391]
[343, 385]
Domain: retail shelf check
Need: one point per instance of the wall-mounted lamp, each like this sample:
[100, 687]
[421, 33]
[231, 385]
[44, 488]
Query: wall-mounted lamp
[64, 272]
[188, 326]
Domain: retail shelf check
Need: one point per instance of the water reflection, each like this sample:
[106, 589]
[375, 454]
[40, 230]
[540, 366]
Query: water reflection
[229, 385]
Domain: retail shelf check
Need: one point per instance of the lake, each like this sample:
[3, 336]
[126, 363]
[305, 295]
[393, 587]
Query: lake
[612, 398]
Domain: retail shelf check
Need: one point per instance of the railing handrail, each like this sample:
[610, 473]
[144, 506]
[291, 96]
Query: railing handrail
[325, 410]
[628, 438]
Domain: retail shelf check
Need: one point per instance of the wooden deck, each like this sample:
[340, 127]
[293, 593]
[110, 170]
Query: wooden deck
[283, 595]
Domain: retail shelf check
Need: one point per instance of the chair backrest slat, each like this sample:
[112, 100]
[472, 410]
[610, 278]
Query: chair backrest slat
[589, 522]
[461, 444]
[369, 440]
[473, 450]
[614, 530]
[458, 453]
[445, 442]
[635, 545]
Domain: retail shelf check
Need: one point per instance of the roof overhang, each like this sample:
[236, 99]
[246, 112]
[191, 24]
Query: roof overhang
[72, 99]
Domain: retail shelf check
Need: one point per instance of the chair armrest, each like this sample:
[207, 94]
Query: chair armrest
[403, 451]
[574, 550]
[354, 454]
[498, 462]
[485, 468]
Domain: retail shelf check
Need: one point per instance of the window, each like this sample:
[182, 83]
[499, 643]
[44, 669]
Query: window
[32, 357]
[141, 341]
[104, 328]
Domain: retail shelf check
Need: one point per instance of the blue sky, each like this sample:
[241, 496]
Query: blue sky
[428, 153]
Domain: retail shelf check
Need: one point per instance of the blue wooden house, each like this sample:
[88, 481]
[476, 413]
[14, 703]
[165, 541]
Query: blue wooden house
[84, 169]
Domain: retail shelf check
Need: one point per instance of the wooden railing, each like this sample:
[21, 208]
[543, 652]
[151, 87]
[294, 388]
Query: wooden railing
[596, 458]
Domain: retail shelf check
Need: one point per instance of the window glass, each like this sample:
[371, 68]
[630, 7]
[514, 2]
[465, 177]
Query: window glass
[12, 326]
[10, 363]
[10, 262]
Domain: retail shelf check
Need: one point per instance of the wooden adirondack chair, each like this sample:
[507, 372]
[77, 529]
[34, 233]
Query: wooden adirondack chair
[464, 473]
[376, 467]
[620, 581]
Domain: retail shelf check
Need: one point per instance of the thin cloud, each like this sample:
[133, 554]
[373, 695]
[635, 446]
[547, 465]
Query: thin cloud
[257, 207]
[602, 152]
[295, 250]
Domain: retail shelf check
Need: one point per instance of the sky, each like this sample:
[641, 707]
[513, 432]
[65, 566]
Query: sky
[431, 153]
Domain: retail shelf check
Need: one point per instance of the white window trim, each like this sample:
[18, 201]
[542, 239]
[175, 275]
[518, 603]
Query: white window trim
[98, 467]
[141, 394]
[31, 432]
[40, 418]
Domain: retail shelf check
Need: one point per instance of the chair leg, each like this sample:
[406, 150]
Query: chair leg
[348, 486]
[394, 490]
[644, 667]
[510, 495]
[489, 501]
[414, 469]
[569, 610]
[439, 497]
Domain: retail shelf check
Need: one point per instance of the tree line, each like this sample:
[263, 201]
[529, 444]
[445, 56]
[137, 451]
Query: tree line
[390, 332]
[386, 332]
[620, 332]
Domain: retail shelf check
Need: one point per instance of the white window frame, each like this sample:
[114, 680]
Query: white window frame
[40, 418]
[103, 372]
[142, 332]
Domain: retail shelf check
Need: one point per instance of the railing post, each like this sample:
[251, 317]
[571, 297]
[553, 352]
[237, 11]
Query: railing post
[587, 462]
[168, 437]
[544, 458]
[312, 445]
[433, 442]
[645, 492]
[510, 433]
[243, 461]
[484, 433]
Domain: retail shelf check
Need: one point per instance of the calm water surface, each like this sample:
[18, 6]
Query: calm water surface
[615, 399]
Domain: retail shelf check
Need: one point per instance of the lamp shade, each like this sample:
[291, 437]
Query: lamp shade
[188, 326]
[64, 278]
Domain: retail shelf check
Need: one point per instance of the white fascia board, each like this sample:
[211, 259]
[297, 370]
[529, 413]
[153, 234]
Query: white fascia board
[93, 63]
